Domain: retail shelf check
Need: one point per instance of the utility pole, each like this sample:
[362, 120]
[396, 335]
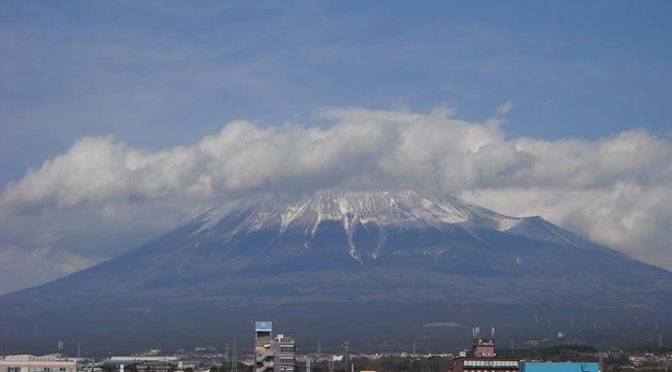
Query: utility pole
[234, 357]
[347, 355]
[413, 347]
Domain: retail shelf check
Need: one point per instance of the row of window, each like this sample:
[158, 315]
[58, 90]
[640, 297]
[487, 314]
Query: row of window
[491, 363]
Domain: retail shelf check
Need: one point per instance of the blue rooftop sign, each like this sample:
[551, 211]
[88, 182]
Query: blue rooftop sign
[560, 367]
[263, 326]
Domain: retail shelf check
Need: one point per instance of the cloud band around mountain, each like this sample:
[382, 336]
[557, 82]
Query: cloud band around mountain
[615, 190]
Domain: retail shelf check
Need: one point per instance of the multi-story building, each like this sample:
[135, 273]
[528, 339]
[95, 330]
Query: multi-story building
[285, 354]
[483, 359]
[484, 347]
[262, 346]
[45, 363]
[273, 354]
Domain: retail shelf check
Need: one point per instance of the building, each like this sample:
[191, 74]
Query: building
[154, 366]
[284, 359]
[560, 367]
[485, 364]
[263, 355]
[142, 364]
[483, 358]
[45, 363]
[273, 354]
[484, 347]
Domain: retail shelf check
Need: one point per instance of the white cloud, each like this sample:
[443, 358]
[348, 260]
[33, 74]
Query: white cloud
[505, 108]
[616, 190]
[629, 217]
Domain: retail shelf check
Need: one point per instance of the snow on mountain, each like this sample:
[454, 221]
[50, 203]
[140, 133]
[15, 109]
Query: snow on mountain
[385, 210]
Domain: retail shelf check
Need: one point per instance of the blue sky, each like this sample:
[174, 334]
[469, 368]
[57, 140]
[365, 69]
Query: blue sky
[157, 74]
[118, 118]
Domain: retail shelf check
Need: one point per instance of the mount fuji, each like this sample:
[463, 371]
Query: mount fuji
[372, 267]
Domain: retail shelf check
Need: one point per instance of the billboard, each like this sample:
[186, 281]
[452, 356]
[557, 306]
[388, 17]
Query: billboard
[263, 326]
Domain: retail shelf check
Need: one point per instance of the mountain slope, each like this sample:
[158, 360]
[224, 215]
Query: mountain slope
[345, 261]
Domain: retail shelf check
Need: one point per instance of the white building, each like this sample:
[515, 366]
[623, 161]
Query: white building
[45, 363]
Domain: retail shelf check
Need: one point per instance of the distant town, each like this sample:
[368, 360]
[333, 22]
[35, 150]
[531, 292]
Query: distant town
[281, 353]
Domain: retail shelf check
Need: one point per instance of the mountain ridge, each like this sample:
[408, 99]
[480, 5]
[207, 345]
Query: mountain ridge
[400, 209]
[389, 254]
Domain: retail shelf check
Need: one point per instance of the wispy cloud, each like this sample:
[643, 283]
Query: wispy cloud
[505, 108]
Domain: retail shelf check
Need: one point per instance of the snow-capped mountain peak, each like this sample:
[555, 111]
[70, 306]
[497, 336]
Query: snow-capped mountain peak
[381, 211]
[405, 208]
